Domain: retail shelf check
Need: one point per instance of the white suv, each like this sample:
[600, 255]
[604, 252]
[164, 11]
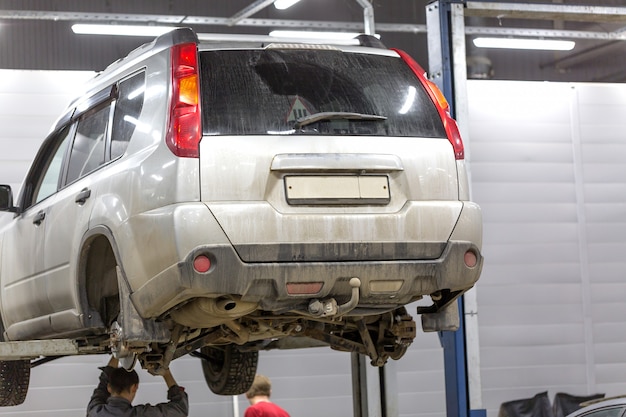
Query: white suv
[223, 198]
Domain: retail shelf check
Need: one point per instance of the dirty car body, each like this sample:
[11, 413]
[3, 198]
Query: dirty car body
[221, 199]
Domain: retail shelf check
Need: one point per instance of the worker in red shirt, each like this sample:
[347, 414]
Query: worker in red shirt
[259, 397]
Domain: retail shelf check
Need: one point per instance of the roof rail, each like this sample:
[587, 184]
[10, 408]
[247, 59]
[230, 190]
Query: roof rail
[360, 40]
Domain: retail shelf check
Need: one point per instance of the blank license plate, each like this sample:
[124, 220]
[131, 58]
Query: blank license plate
[337, 189]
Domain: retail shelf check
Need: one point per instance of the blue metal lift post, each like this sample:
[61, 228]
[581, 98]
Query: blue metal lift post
[441, 71]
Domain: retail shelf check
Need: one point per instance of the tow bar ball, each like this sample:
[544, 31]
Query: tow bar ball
[329, 307]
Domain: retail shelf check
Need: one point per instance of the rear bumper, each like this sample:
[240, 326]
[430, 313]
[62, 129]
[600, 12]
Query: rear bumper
[385, 283]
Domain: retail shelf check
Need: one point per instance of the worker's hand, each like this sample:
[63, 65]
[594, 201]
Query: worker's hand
[113, 362]
[164, 372]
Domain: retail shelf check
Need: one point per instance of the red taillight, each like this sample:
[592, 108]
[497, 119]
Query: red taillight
[454, 136]
[452, 129]
[184, 133]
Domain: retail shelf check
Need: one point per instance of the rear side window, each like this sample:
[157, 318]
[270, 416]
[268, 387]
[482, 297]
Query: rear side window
[269, 91]
[89, 144]
[128, 108]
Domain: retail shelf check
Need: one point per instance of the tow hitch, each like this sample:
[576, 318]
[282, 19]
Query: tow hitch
[329, 307]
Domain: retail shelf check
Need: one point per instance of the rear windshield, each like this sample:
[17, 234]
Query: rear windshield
[313, 92]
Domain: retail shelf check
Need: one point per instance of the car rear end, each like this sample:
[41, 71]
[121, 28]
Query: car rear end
[323, 163]
[318, 164]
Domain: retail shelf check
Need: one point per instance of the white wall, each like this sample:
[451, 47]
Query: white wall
[549, 171]
[30, 102]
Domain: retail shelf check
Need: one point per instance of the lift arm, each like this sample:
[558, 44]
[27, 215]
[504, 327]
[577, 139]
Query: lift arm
[32, 349]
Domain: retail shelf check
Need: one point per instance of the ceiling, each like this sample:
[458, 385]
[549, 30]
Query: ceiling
[36, 34]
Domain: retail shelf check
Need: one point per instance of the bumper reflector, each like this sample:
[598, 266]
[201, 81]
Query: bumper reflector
[385, 286]
[470, 259]
[202, 263]
[295, 288]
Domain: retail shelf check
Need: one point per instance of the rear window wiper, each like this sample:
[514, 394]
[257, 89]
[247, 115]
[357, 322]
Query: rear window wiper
[332, 115]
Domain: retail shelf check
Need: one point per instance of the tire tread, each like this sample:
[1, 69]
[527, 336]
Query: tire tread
[14, 381]
[236, 374]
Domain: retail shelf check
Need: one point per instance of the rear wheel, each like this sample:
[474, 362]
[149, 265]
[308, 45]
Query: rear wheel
[227, 370]
[14, 379]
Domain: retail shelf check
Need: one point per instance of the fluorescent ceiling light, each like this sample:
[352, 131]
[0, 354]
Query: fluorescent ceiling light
[309, 34]
[519, 43]
[284, 4]
[121, 30]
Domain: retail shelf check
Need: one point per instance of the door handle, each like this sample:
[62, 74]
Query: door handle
[38, 219]
[83, 196]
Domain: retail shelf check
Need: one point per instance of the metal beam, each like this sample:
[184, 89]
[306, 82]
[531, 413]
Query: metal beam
[309, 24]
[86, 16]
[441, 72]
[368, 17]
[368, 13]
[278, 23]
[545, 12]
[205, 21]
[374, 389]
[248, 11]
[545, 33]
[36, 348]
[473, 8]
[299, 24]
[557, 12]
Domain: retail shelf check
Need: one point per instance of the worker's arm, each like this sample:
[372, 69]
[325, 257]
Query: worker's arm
[101, 393]
[113, 362]
[169, 379]
[178, 404]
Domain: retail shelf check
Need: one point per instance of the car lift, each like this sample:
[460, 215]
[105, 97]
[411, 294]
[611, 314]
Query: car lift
[447, 68]
[46, 350]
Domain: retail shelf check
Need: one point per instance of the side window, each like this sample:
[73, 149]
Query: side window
[606, 412]
[89, 144]
[49, 182]
[127, 111]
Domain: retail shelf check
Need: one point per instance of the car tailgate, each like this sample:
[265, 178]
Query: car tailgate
[246, 180]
